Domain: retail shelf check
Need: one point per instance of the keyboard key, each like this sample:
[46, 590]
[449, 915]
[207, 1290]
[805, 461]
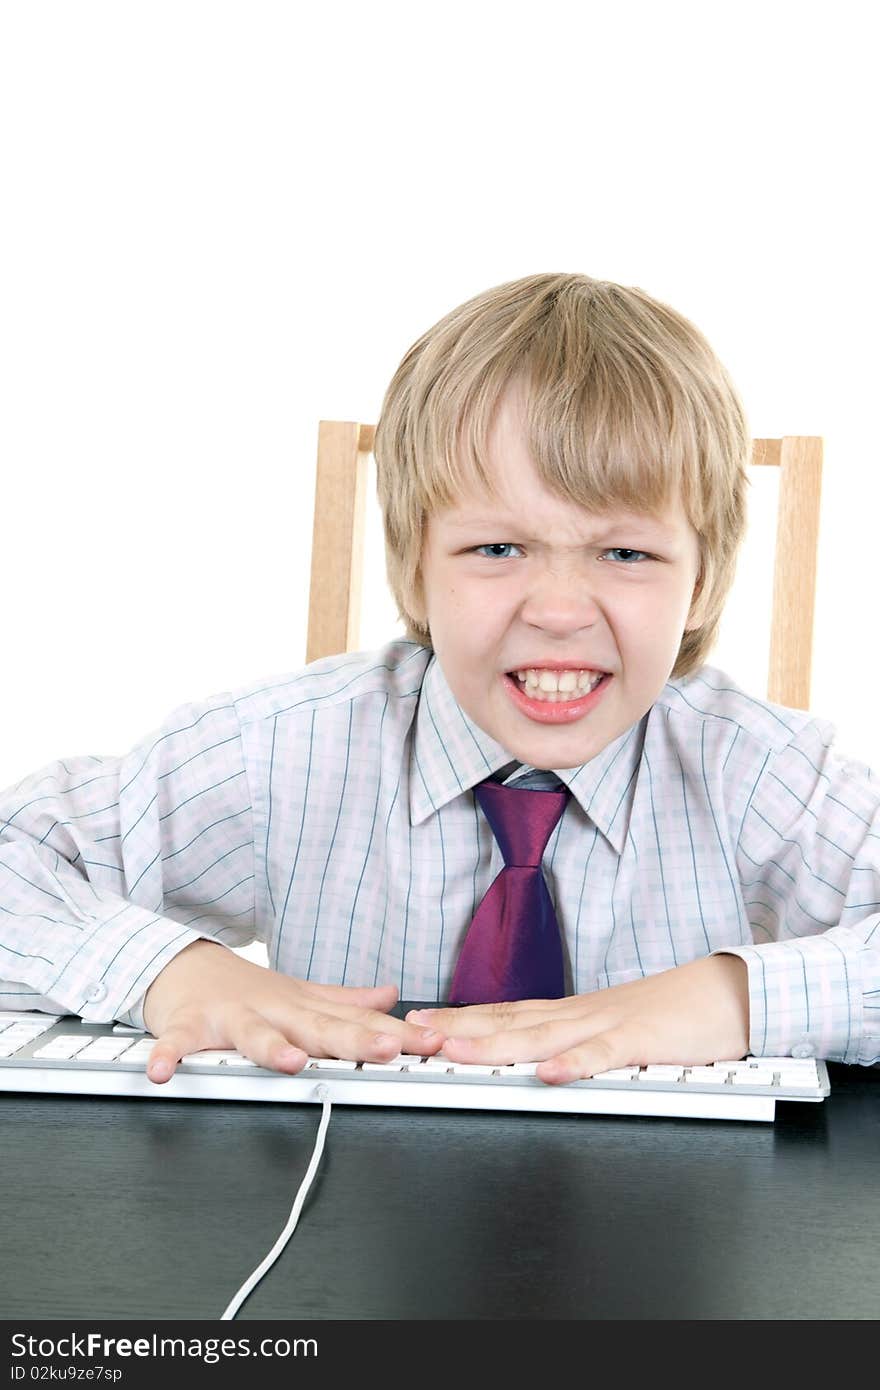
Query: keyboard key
[25, 1030]
[796, 1078]
[11, 1016]
[209, 1057]
[472, 1069]
[65, 1047]
[706, 1076]
[103, 1050]
[403, 1060]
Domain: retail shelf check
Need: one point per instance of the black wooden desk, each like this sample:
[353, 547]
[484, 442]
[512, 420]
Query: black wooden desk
[154, 1209]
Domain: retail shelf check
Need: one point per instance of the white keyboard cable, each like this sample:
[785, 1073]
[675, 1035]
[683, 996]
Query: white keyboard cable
[322, 1094]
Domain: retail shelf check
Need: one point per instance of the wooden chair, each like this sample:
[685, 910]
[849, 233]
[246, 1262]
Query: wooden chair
[344, 449]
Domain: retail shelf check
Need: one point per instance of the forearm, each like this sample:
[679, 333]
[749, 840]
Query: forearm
[817, 995]
[68, 941]
[66, 945]
[109, 867]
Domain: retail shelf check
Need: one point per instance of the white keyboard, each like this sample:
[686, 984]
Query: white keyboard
[43, 1052]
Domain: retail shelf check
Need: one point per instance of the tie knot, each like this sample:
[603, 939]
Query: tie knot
[522, 820]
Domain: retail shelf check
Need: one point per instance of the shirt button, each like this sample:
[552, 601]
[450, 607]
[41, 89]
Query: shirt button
[97, 992]
[804, 1048]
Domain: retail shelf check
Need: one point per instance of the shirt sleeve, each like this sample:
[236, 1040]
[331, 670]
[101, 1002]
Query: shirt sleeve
[809, 865]
[110, 866]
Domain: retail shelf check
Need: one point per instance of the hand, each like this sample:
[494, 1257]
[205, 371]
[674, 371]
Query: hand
[208, 997]
[696, 1013]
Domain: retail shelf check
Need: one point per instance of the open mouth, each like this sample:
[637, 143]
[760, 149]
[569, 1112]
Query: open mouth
[556, 697]
[557, 687]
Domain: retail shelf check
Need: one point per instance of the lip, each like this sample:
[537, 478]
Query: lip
[556, 666]
[555, 712]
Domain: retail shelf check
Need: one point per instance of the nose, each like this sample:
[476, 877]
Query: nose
[560, 601]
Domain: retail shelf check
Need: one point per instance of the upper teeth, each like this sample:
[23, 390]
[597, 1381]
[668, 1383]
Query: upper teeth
[535, 679]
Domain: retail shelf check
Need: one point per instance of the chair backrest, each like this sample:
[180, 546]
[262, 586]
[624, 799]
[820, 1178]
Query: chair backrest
[344, 449]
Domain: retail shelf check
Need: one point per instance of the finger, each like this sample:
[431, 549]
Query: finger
[340, 1004]
[615, 1047]
[522, 1044]
[382, 997]
[310, 1026]
[171, 1045]
[255, 1037]
[480, 1020]
[366, 1038]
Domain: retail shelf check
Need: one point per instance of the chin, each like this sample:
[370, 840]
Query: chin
[565, 752]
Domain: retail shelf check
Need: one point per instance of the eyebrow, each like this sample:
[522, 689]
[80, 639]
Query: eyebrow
[637, 525]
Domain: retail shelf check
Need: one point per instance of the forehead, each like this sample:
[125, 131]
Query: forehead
[568, 492]
[475, 513]
[519, 499]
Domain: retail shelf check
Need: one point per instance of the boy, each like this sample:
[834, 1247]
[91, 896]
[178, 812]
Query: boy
[561, 467]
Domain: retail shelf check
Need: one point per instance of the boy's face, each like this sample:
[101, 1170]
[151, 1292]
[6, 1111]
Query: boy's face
[535, 583]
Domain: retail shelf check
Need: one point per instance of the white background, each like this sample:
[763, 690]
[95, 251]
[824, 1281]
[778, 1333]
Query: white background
[224, 221]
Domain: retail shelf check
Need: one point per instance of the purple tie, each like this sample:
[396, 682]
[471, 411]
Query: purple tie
[512, 949]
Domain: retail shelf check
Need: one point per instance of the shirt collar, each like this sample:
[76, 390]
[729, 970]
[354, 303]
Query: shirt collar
[451, 754]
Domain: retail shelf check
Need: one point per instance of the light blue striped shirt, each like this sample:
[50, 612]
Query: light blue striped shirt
[330, 813]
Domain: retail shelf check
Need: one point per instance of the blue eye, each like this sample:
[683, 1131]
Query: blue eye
[625, 555]
[495, 547]
[501, 550]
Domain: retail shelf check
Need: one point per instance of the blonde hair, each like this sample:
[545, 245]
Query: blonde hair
[625, 404]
